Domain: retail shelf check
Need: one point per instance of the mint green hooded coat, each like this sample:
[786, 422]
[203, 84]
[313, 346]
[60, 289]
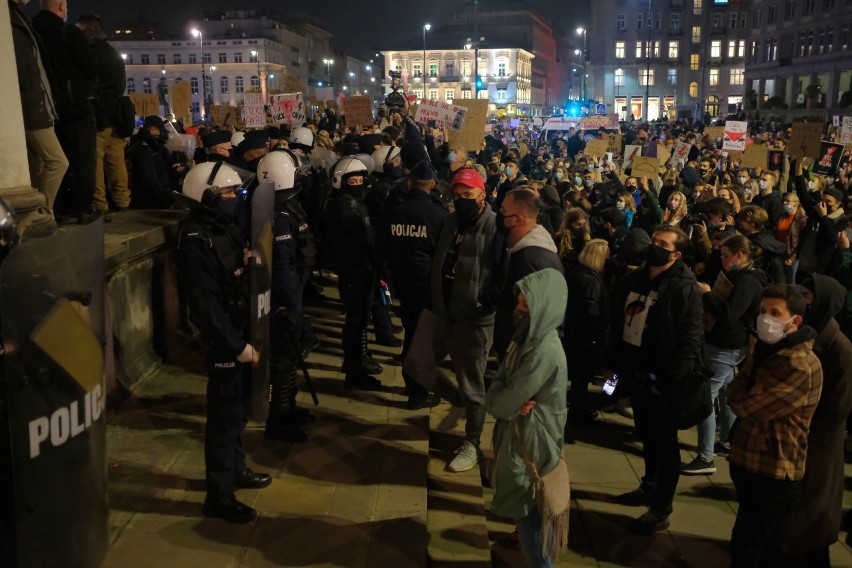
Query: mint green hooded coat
[534, 370]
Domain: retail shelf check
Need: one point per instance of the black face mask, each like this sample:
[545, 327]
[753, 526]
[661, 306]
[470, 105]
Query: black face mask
[468, 209]
[228, 205]
[396, 172]
[356, 190]
[657, 256]
[501, 227]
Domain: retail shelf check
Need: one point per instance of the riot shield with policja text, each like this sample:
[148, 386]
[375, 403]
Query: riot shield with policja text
[261, 203]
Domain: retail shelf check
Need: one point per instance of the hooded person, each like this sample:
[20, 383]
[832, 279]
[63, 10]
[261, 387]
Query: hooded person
[529, 392]
[153, 175]
[812, 526]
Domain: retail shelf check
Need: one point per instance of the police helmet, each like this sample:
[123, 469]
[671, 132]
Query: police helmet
[367, 160]
[237, 137]
[384, 156]
[345, 168]
[281, 169]
[303, 137]
[215, 176]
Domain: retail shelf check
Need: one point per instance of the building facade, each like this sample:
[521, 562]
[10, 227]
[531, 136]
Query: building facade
[800, 53]
[505, 75]
[664, 59]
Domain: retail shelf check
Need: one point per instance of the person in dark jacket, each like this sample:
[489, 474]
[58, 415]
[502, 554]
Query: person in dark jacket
[587, 319]
[110, 168]
[576, 144]
[770, 199]
[812, 526]
[75, 71]
[530, 248]
[151, 167]
[770, 254]
[47, 161]
[657, 339]
[730, 307]
[408, 240]
[551, 206]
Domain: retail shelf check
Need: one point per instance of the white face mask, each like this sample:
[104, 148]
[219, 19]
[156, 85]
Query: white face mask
[770, 329]
[742, 180]
[812, 185]
[764, 186]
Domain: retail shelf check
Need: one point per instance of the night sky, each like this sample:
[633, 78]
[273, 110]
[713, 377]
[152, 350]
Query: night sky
[359, 26]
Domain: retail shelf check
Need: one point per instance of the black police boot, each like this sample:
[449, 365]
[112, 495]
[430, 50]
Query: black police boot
[367, 362]
[229, 509]
[248, 479]
[278, 427]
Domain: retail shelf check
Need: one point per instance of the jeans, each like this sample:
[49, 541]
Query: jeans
[791, 271]
[529, 535]
[758, 534]
[723, 362]
[656, 427]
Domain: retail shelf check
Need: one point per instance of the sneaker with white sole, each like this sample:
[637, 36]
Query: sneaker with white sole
[465, 458]
[699, 466]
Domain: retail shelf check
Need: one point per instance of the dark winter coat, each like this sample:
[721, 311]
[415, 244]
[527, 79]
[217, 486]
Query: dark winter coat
[34, 75]
[150, 173]
[734, 317]
[111, 82]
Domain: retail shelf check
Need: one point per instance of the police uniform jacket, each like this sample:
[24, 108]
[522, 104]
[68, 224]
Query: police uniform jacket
[293, 255]
[351, 233]
[410, 235]
[150, 178]
[210, 255]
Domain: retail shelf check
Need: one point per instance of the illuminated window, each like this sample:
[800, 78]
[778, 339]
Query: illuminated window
[696, 7]
[714, 77]
[646, 77]
[619, 77]
[696, 34]
[716, 48]
[693, 90]
[619, 50]
[673, 49]
[694, 62]
[737, 76]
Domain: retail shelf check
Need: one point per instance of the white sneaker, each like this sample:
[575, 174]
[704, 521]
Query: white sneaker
[465, 459]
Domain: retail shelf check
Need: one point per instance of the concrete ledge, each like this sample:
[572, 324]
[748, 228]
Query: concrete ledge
[132, 235]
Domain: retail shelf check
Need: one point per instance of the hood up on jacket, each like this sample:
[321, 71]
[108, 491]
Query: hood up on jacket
[547, 295]
[767, 241]
[538, 237]
[829, 298]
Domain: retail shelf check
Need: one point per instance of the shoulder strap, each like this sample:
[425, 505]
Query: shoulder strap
[530, 465]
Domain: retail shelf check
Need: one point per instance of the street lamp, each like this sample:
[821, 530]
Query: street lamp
[585, 59]
[261, 74]
[328, 64]
[197, 33]
[124, 56]
[426, 28]
[212, 85]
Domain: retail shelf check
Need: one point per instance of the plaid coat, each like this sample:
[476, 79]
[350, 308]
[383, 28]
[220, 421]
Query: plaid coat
[774, 404]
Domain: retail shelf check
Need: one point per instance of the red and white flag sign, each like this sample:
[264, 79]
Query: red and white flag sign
[736, 133]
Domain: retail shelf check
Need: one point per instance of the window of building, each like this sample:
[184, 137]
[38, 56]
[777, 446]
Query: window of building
[737, 76]
[732, 48]
[192, 59]
[646, 77]
[696, 34]
[131, 85]
[655, 46]
[163, 85]
[253, 57]
[811, 50]
[619, 77]
[501, 68]
[639, 19]
[716, 48]
[466, 94]
[207, 58]
[733, 20]
[161, 59]
[693, 90]
[501, 94]
[208, 85]
[743, 19]
[146, 59]
[717, 20]
[657, 21]
[639, 46]
[176, 59]
[619, 50]
[829, 40]
[620, 22]
[789, 10]
[433, 94]
[465, 65]
[772, 14]
[223, 86]
[239, 86]
[223, 58]
[808, 7]
[433, 69]
[193, 85]
[673, 49]
[483, 94]
[714, 77]
[195, 107]
[238, 57]
[672, 77]
[696, 7]
[450, 68]
[146, 86]
[758, 16]
[827, 4]
[254, 82]
[674, 21]
[844, 37]
[178, 80]
[694, 62]
[129, 59]
[416, 70]
[449, 95]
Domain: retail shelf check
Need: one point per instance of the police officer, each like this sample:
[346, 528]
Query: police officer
[353, 245]
[212, 256]
[293, 257]
[252, 149]
[217, 146]
[409, 235]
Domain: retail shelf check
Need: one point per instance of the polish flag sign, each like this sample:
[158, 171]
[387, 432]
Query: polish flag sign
[736, 133]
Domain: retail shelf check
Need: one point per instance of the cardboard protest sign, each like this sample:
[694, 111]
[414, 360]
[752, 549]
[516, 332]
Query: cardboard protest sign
[645, 167]
[287, 109]
[805, 140]
[846, 130]
[224, 116]
[830, 155]
[681, 153]
[359, 110]
[325, 93]
[443, 114]
[736, 133]
[613, 143]
[254, 116]
[715, 132]
[253, 99]
[756, 156]
[595, 148]
[147, 104]
[612, 123]
[631, 152]
[473, 129]
[775, 160]
[593, 123]
[180, 101]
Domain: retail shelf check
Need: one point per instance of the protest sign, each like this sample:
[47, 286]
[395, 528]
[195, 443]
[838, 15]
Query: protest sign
[645, 167]
[443, 114]
[736, 133]
[254, 116]
[595, 148]
[630, 152]
[846, 130]
[472, 132]
[805, 140]
[681, 153]
[613, 143]
[593, 123]
[147, 104]
[325, 93]
[756, 156]
[253, 99]
[359, 111]
[714, 132]
[287, 109]
[612, 123]
[830, 155]
[180, 101]
[775, 160]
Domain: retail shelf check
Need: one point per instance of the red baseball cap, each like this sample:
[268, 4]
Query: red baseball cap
[468, 177]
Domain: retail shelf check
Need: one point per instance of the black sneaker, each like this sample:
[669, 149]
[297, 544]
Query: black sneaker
[362, 382]
[722, 448]
[430, 401]
[649, 523]
[698, 466]
[248, 479]
[228, 509]
[637, 498]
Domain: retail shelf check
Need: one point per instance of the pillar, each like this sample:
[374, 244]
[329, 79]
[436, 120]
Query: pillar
[15, 187]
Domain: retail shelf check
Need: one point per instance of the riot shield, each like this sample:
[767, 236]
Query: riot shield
[52, 308]
[261, 203]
